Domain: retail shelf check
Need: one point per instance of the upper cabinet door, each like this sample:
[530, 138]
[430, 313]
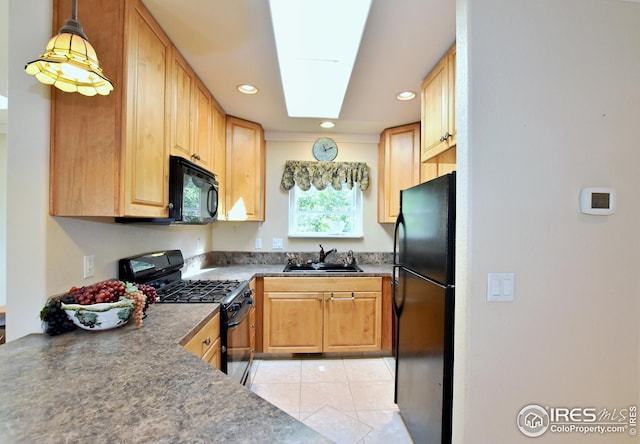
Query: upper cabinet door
[453, 127]
[182, 106]
[438, 108]
[203, 140]
[399, 166]
[245, 175]
[146, 166]
[218, 153]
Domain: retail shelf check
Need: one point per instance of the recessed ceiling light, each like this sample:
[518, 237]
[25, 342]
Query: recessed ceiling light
[247, 89]
[327, 124]
[406, 95]
[317, 42]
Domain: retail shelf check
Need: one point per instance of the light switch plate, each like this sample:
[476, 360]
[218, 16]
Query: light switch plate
[88, 267]
[500, 287]
[278, 243]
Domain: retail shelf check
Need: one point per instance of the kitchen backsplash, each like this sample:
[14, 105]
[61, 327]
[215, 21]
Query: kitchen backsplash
[214, 258]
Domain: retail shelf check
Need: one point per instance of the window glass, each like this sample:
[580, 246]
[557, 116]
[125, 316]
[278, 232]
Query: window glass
[325, 213]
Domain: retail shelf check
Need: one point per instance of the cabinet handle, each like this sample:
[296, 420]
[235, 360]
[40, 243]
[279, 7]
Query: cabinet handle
[170, 206]
[319, 299]
[352, 298]
[207, 341]
[195, 156]
[445, 137]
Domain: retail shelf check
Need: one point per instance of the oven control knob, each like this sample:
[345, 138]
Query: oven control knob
[223, 349]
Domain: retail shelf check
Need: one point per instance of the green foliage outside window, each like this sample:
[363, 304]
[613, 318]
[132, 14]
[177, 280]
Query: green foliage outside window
[327, 211]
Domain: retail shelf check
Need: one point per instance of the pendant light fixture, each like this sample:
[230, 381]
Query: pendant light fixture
[69, 61]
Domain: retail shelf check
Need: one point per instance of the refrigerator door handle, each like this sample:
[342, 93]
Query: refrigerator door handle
[397, 308]
[396, 229]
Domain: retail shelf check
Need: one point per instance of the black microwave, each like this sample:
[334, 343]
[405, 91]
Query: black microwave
[193, 196]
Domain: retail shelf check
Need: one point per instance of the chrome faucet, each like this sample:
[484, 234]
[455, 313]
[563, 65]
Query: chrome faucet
[324, 255]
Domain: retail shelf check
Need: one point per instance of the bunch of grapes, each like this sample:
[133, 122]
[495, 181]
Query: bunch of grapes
[55, 319]
[102, 292]
[149, 292]
[139, 301]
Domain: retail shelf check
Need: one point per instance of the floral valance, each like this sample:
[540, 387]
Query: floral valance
[320, 174]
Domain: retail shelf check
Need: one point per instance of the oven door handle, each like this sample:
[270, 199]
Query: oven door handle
[241, 314]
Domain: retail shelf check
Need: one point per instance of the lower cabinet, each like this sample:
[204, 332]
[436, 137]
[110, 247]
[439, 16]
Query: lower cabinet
[293, 321]
[313, 315]
[205, 342]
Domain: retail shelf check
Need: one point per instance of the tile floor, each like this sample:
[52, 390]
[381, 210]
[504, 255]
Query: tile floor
[347, 400]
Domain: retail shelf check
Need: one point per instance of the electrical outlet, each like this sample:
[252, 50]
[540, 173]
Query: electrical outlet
[258, 243]
[278, 243]
[89, 266]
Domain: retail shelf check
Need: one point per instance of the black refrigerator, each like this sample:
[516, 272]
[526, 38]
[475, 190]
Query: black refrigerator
[423, 302]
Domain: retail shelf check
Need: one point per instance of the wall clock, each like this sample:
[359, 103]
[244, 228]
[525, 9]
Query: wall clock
[325, 149]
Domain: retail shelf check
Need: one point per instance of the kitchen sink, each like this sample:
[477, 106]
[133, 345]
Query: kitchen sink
[321, 267]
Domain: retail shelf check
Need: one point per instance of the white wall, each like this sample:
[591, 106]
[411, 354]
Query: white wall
[553, 105]
[3, 219]
[230, 236]
[4, 49]
[44, 253]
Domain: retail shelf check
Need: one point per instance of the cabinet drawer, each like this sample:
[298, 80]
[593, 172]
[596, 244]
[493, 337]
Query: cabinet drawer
[322, 283]
[204, 338]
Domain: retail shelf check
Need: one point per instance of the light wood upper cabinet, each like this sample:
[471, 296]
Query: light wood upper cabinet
[190, 119]
[439, 165]
[399, 166]
[453, 125]
[318, 314]
[203, 135]
[245, 173]
[438, 107]
[218, 153]
[108, 153]
[182, 89]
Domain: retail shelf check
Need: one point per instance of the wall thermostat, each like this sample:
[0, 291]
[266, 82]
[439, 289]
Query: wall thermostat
[599, 201]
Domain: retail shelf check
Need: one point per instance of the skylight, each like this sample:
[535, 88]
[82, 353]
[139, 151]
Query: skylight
[317, 43]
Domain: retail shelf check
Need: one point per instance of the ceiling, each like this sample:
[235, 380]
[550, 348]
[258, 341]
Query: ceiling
[231, 42]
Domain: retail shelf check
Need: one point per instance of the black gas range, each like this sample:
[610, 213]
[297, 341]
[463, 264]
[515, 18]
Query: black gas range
[162, 271]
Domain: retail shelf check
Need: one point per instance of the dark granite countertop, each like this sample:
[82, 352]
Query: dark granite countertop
[131, 385]
[248, 271]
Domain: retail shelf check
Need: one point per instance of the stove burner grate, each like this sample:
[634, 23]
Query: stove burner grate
[198, 291]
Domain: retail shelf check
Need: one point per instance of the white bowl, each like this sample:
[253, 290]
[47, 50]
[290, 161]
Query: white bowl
[100, 316]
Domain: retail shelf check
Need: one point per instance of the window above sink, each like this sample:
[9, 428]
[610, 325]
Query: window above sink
[325, 213]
